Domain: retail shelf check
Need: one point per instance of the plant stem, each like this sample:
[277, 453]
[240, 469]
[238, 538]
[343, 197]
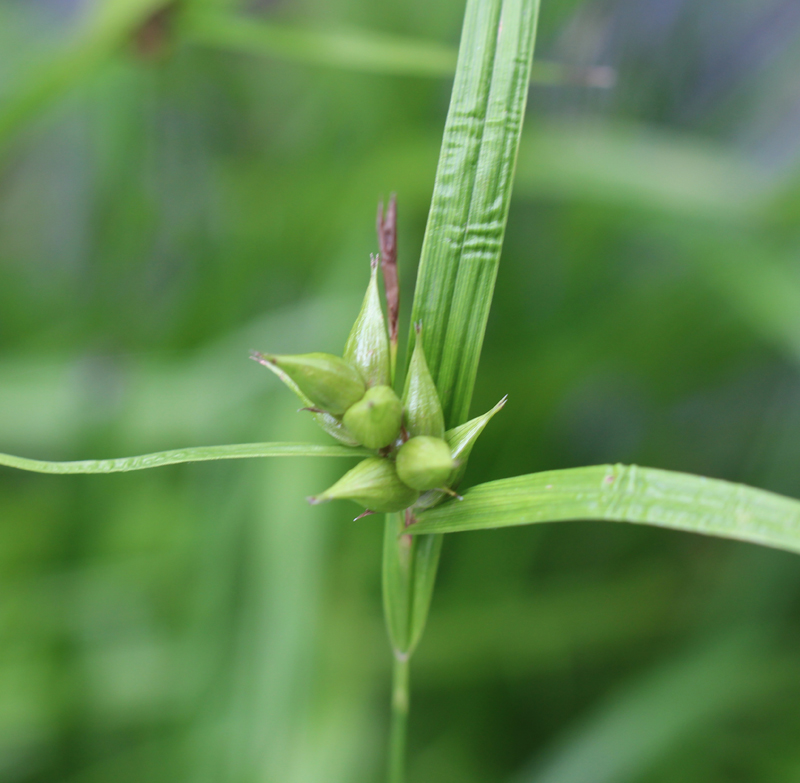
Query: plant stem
[397, 736]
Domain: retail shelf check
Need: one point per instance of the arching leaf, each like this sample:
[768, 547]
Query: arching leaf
[624, 493]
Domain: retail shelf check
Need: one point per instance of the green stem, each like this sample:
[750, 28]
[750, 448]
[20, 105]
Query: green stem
[397, 737]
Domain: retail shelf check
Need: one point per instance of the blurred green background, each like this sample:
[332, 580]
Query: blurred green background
[173, 195]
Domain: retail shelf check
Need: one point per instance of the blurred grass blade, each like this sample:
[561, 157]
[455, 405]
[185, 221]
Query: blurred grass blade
[632, 730]
[107, 29]
[352, 50]
[348, 49]
[643, 169]
[461, 251]
[177, 456]
[357, 50]
[464, 236]
[625, 493]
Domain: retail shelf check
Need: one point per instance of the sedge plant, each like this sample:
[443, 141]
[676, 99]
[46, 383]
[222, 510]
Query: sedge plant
[409, 427]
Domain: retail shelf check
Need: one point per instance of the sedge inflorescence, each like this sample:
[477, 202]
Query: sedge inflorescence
[416, 463]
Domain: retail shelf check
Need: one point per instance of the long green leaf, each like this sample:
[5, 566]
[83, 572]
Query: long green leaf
[352, 50]
[641, 168]
[357, 50]
[464, 235]
[177, 456]
[624, 493]
[461, 251]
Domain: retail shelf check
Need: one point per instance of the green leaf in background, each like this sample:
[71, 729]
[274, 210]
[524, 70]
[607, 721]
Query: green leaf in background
[177, 456]
[624, 493]
[353, 50]
[642, 169]
[358, 50]
[116, 21]
[105, 30]
[626, 735]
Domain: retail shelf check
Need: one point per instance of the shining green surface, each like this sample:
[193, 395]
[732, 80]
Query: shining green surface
[177, 456]
[625, 493]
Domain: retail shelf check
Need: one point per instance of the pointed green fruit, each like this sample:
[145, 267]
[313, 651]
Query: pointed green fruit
[421, 401]
[461, 439]
[367, 347]
[329, 423]
[373, 484]
[374, 421]
[328, 381]
[425, 463]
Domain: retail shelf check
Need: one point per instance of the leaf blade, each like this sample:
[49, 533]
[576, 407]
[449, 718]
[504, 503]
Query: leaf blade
[466, 225]
[359, 50]
[472, 190]
[624, 493]
[347, 49]
[179, 456]
[396, 586]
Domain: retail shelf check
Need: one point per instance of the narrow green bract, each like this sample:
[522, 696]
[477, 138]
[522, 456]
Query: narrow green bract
[466, 225]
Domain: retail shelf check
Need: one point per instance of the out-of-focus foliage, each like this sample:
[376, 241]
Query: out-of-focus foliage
[167, 205]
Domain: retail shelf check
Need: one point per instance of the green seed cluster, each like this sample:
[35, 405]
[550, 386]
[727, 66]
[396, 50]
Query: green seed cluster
[353, 400]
